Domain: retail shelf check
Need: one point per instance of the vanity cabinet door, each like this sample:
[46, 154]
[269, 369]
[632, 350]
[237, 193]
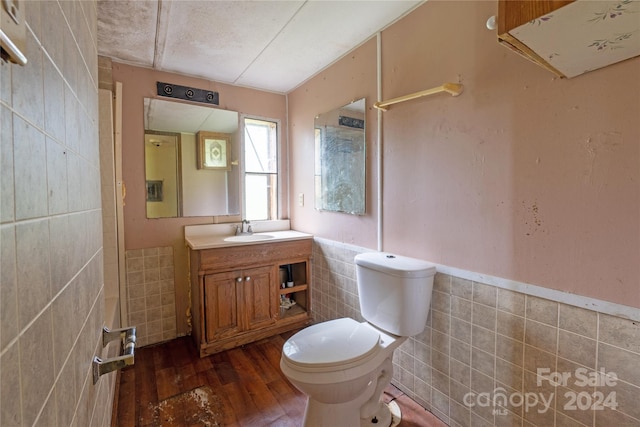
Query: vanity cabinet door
[238, 301]
[221, 302]
[259, 297]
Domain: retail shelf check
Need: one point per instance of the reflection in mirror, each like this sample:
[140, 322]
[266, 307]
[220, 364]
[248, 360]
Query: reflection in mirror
[340, 159]
[185, 189]
[162, 174]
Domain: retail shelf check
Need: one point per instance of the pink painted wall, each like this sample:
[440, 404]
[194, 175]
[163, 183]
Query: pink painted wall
[140, 232]
[524, 176]
[350, 79]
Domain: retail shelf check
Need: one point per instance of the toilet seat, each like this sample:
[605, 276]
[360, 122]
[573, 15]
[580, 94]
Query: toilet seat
[339, 343]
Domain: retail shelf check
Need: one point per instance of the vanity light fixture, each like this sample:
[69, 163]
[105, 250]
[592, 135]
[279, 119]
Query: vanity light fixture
[351, 122]
[188, 93]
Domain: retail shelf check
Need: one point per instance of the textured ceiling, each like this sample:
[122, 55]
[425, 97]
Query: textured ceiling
[269, 45]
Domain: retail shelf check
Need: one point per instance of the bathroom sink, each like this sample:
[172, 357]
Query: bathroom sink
[211, 236]
[249, 238]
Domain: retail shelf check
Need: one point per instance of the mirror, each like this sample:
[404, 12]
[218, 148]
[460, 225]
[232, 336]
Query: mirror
[177, 184]
[340, 159]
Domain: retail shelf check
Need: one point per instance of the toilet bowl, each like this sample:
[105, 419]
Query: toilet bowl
[343, 365]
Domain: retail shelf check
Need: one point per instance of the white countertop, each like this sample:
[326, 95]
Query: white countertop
[211, 236]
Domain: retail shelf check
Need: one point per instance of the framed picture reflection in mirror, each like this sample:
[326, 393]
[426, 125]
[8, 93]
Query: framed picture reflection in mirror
[214, 150]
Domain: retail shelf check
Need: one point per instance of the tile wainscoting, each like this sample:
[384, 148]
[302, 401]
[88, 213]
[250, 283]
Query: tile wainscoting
[151, 294]
[484, 344]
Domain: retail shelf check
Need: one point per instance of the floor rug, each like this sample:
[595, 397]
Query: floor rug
[200, 406]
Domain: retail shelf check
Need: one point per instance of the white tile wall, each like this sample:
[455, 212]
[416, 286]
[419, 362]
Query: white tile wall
[51, 289]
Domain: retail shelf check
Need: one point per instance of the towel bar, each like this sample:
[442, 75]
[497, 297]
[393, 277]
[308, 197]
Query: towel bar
[454, 89]
[127, 337]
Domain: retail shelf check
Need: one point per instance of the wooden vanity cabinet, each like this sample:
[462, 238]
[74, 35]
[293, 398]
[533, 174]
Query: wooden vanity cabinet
[236, 293]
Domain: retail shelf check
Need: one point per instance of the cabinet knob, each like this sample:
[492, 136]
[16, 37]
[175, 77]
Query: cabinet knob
[248, 278]
[239, 279]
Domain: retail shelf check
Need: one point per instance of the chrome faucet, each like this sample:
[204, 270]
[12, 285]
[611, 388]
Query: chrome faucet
[244, 229]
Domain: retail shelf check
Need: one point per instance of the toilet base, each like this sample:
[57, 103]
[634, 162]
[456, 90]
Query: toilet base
[396, 414]
[386, 415]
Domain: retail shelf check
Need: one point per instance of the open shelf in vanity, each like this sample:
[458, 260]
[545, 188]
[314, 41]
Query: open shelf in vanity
[294, 299]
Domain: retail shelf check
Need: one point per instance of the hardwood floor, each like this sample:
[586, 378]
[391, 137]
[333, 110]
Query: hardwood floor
[170, 385]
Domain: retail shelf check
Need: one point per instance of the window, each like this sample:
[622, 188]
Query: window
[260, 152]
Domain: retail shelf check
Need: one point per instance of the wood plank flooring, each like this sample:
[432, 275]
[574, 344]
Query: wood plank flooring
[170, 385]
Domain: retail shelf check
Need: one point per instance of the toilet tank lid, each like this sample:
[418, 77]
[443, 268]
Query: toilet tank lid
[395, 265]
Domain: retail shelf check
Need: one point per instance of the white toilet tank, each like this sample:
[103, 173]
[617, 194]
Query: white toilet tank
[394, 291]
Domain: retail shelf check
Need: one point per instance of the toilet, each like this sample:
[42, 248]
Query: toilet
[343, 365]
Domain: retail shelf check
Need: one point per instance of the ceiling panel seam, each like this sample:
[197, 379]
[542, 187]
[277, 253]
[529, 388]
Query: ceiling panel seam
[235, 81]
[162, 28]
